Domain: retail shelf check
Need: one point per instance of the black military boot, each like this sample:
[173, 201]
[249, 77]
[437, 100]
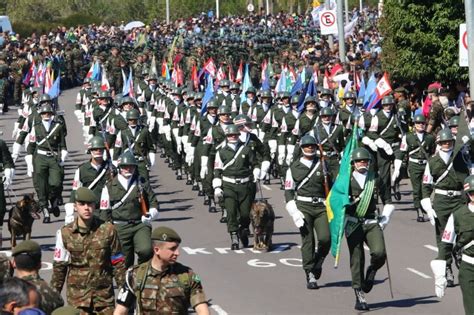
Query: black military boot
[420, 217]
[162, 155]
[224, 216]
[244, 237]
[396, 192]
[361, 303]
[311, 283]
[234, 239]
[207, 200]
[46, 218]
[212, 205]
[55, 207]
[167, 160]
[195, 186]
[201, 192]
[266, 181]
[369, 279]
[449, 276]
[318, 267]
[282, 183]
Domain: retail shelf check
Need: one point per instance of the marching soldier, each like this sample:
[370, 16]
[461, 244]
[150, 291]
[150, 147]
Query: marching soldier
[419, 146]
[92, 174]
[444, 175]
[162, 285]
[101, 113]
[364, 226]
[233, 181]
[88, 254]
[286, 147]
[137, 139]
[305, 122]
[459, 233]
[27, 263]
[8, 168]
[306, 186]
[382, 136]
[129, 202]
[48, 146]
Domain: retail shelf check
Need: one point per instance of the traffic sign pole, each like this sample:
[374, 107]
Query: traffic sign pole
[327, 5]
[340, 30]
[470, 43]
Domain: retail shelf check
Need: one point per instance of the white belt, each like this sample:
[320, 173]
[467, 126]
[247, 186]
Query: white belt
[235, 180]
[366, 221]
[311, 199]
[449, 193]
[47, 153]
[417, 161]
[468, 259]
[471, 243]
[126, 222]
[395, 144]
[328, 154]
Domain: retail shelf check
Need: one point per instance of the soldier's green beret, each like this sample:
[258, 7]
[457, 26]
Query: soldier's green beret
[165, 234]
[85, 195]
[27, 247]
[401, 89]
[66, 310]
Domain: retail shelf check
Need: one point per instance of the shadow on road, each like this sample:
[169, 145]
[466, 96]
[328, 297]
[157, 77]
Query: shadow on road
[176, 219]
[430, 299]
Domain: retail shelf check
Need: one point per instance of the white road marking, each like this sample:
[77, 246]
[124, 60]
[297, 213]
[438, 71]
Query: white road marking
[218, 309]
[266, 187]
[419, 273]
[194, 251]
[433, 248]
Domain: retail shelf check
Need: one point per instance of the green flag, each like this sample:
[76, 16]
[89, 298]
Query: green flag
[338, 197]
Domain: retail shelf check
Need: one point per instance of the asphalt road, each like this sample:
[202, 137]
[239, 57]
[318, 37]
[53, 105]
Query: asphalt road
[248, 282]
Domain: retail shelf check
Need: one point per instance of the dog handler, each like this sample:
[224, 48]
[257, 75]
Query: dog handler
[305, 202]
[8, 168]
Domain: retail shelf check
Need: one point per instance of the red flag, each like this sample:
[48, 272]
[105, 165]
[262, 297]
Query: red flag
[426, 107]
[180, 76]
[164, 69]
[383, 88]
[336, 69]
[104, 84]
[210, 67]
[240, 73]
[326, 80]
[194, 77]
[264, 71]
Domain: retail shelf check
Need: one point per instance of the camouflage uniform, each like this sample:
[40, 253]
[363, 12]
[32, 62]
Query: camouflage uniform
[6, 270]
[171, 291]
[50, 299]
[89, 258]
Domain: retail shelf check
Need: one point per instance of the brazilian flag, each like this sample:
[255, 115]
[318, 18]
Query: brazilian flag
[338, 197]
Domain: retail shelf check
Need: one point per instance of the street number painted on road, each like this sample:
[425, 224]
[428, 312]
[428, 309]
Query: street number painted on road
[260, 264]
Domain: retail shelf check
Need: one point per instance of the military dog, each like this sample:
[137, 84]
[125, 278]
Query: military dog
[263, 218]
[21, 217]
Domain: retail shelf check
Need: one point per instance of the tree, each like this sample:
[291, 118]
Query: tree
[420, 40]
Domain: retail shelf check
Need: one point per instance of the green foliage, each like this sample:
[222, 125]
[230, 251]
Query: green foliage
[421, 40]
[80, 19]
[26, 28]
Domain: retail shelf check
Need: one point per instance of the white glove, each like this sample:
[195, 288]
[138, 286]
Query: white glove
[385, 217]
[439, 270]
[426, 204]
[397, 164]
[153, 213]
[152, 158]
[290, 150]
[167, 131]
[78, 114]
[184, 140]
[370, 143]
[15, 130]
[264, 169]
[382, 144]
[146, 219]
[8, 178]
[218, 193]
[16, 151]
[204, 168]
[64, 155]
[115, 163]
[296, 215]
[281, 154]
[151, 123]
[69, 208]
[29, 165]
[179, 148]
[465, 139]
[256, 174]
[261, 135]
[190, 155]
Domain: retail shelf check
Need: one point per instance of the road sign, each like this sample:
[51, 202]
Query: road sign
[463, 55]
[328, 23]
[250, 7]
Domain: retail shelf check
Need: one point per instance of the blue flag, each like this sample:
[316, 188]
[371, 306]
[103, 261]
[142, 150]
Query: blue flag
[246, 84]
[362, 88]
[312, 88]
[208, 95]
[302, 98]
[55, 88]
[371, 85]
[297, 86]
[96, 75]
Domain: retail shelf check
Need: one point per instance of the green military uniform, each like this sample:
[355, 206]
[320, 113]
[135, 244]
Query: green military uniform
[305, 195]
[445, 178]
[48, 145]
[100, 115]
[234, 181]
[89, 257]
[6, 270]
[170, 291]
[419, 147]
[8, 167]
[50, 299]
[115, 63]
[120, 203]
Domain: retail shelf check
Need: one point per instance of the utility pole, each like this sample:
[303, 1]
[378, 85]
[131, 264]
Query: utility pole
[340, 30]
[167, 11]
[470, 42]
[217, 9]
[330, 38]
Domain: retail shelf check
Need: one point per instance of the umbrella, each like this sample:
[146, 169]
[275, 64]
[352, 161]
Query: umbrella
[133, 24]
